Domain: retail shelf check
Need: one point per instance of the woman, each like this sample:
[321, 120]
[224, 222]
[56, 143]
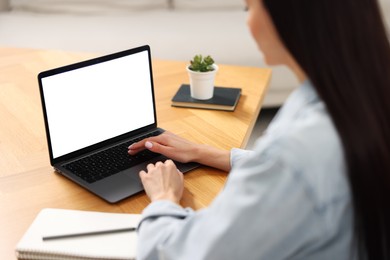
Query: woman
[317, 185]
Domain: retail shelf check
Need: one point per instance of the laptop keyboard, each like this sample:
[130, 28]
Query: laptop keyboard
[111, 161]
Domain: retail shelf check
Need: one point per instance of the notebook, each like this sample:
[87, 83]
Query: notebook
[116, 245]
[93, 110]
[224, 98]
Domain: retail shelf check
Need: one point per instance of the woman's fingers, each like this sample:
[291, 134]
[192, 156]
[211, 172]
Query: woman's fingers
[163, 181]
[168, 144]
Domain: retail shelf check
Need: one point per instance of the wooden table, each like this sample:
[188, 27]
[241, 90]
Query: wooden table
[27, 181]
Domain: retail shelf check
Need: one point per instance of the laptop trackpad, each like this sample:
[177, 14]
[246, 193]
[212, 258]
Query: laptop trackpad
[117, 187]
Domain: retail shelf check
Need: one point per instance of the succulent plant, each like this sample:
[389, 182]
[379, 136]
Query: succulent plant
[200, 64]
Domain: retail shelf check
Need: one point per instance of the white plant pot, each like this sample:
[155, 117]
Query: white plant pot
[202, 83]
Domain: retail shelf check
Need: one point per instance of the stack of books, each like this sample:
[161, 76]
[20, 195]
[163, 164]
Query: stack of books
[224, 99]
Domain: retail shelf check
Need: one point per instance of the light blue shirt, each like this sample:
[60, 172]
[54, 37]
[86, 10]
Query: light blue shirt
[287, 199]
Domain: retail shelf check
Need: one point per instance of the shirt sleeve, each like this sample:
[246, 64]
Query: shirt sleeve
[236, 155]
[255, 217]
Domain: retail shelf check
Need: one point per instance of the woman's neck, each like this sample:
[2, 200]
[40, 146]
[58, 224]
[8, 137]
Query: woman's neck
[297, 70]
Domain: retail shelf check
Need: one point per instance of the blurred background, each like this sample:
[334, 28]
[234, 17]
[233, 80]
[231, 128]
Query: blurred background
[175, 30]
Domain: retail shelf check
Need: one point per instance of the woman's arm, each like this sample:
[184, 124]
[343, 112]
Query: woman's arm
[264, 212]
[182, 150]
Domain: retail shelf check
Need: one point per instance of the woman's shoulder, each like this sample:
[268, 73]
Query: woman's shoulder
[311, 146]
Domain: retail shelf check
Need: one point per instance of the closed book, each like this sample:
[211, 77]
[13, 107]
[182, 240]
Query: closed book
[94, 239]
[224, 98]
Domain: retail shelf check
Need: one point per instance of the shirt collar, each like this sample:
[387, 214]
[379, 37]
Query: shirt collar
[300, 98]
[308, 92]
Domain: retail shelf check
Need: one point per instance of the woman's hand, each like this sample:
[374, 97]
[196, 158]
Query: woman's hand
[163, 181]
[168, 144]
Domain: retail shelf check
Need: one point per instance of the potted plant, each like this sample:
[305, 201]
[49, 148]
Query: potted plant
[202, 72]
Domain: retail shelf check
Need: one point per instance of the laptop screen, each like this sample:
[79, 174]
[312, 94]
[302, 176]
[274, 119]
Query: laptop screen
[93, 103]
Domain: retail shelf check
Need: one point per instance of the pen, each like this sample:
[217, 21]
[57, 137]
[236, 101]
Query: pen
[91, 233]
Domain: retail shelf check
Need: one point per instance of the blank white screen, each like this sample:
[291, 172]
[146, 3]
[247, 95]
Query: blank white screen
[92, 104]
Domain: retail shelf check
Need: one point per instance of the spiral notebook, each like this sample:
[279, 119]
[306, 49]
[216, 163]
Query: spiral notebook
[57, 222]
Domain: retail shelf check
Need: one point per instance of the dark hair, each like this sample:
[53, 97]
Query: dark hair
[343, 47]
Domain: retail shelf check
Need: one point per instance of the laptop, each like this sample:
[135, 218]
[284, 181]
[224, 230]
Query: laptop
[93, 110]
